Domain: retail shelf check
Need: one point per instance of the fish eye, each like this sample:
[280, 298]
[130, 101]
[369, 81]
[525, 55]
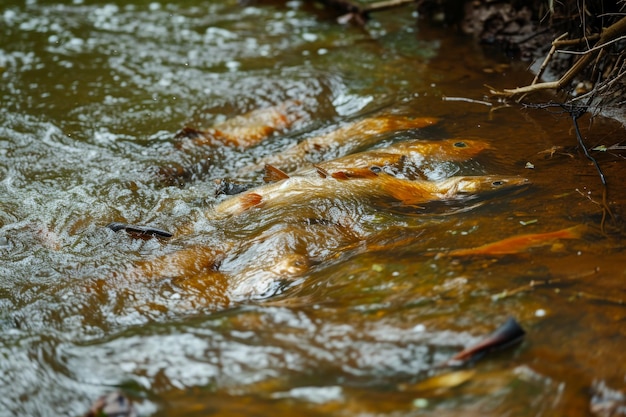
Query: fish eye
[460, 145]
[375, 169]
[497, 183]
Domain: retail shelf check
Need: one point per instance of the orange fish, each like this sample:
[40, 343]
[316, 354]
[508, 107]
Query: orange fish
[342, 141]
[412, 153]
[301, 221]
[298, 190]
[246, 130]
[518, 244]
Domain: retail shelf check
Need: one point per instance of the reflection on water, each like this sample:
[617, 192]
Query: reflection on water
[92, 96]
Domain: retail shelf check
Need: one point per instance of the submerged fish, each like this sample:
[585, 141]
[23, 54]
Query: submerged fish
[521, 243]
[302, 222]
[344, 140]
[245, 130]
[300, 190]
[411, 154]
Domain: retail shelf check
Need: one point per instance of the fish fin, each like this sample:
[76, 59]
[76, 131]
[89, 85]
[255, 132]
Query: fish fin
[575, 232]
[340, 175]
[354, 173]
[273, 174]
[321, 171]
[250, 200]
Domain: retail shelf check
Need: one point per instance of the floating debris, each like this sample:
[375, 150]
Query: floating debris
[510, 333]
[142, 232]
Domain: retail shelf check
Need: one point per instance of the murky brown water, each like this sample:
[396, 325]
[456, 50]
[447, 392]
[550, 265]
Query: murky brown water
[92, 95]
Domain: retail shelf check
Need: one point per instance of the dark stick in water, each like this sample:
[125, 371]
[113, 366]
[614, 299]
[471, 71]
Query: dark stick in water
[506, 335]
[139, 231]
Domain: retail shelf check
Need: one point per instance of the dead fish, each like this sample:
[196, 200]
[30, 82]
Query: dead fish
[521, 243]
[245, 130]
[143, 232]
[300, 189]
[348, 138]
[398, 155]
[508, 334]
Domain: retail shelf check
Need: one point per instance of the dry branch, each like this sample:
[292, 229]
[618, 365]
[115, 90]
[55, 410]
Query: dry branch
[608, 36]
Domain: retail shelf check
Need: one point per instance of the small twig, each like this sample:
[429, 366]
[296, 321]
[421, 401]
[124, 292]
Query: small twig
[605, 206]
[614, 31]
[582, 294]
[604, 86]
[595, 48]
[524, 288]
[548, 58]
[575, 115]
[572, 42]
[468, 100]
[575, 112]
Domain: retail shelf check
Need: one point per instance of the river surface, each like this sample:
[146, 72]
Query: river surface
[92, 95]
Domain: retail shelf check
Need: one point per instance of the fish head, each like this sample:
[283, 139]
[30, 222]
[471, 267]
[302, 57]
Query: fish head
[478, 185]
[461, 149]
[456, 149]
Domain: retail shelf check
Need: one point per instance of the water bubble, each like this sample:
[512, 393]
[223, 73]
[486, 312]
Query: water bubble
[233, 65]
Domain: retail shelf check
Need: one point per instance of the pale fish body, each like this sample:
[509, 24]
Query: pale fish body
[414, 153]
[341, 141]
[247, 129]
[300, 190]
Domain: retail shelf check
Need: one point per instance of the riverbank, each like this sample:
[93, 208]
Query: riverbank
[577, 54]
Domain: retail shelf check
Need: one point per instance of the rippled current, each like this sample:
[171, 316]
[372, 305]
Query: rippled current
[93, 94]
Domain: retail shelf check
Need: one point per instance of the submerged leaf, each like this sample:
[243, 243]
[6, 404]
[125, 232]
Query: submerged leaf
[441, 382]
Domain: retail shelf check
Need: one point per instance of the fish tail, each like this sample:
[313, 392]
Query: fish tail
[574, 232]
[247, 201]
